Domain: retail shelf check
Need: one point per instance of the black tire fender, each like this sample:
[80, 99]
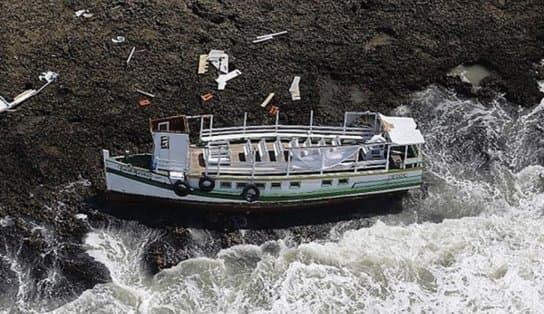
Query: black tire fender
[206, 184]
[251, 193]
[181, 188]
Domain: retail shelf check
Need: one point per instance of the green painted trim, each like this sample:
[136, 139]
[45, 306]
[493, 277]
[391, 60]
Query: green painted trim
[299, 196]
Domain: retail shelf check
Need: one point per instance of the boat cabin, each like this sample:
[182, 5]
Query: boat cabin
[364, 141]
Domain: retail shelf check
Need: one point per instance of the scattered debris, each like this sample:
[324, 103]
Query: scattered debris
[206, 97]
[119, 39]
[130, 55]
[294, 90]
[268, 37]
[145, 93]
[273, 110]
[203, 64]
[220, 60]
[144, 102]
[48, 77]
[85, 13]
[267, 100]
[223, 78]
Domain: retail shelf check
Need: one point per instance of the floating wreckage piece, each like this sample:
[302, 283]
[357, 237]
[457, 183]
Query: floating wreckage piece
[267, 100]
[119, 39]
[223, 78]
[220, 60]
[203, 64]
[85, 13]
[145, 93]
[294, 90]
[48, 77]
[266, 37]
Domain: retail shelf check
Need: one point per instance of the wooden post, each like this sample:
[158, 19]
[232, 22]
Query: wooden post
[387, 157]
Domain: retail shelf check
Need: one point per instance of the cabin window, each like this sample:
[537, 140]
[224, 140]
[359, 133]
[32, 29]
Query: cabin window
[343, 181]
[294, 185]
[326, 183]
[261, 186]
[226, 185]
[164, 126]
[240, 185]
[165, 142]
[276, 185]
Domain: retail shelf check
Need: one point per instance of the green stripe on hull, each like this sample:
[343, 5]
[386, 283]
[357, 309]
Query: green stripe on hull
[406, 184]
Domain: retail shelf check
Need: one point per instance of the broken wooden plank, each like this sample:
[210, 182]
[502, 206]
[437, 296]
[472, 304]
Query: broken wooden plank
[267, 100]
[203, 64]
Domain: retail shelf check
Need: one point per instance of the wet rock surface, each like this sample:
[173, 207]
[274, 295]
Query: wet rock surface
[351, 55]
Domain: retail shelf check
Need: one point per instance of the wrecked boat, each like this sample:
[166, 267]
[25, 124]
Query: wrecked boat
[271, 166]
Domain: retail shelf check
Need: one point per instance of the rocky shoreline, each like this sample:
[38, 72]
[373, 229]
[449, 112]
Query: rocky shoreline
[350, 54]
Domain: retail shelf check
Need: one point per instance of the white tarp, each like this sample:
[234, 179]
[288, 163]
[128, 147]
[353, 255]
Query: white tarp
[314, 158]
[401, 130]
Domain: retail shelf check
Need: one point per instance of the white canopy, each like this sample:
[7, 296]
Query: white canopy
[402, 131]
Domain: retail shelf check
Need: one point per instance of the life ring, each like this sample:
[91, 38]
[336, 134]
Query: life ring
[206, 184]
[251, 193]
[181, 188]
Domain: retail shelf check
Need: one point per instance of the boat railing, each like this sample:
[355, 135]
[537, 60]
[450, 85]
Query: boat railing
[370, 127]
[215, 134]
[289, 167]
